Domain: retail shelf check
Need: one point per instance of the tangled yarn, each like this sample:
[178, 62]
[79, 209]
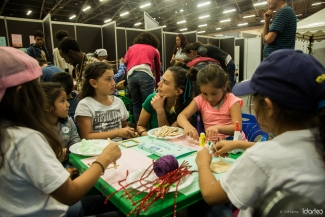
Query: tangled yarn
[164, 165]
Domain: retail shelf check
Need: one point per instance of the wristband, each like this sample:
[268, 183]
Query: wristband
[97, 162]
[142, 132]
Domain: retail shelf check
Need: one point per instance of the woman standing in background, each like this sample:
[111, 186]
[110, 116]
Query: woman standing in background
[178, 55]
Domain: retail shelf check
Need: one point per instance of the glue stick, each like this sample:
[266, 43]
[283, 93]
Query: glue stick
[202, 139]
[237, 136]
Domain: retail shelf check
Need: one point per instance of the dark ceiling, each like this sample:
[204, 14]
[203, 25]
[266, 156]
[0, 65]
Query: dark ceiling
[166, 12]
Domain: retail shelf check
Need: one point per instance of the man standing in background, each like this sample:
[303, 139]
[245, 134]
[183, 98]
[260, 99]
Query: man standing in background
[38, 49]
[282, 33]
[58, 60]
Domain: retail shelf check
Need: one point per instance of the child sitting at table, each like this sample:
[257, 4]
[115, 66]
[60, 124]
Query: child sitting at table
[66, 81]
[288, 90]
[57, 108]
[162, 108]
[33, 181]
[219, 108]
[99, 114]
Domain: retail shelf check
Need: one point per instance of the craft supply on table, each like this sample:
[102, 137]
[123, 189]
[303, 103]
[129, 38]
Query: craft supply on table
[220, 166]
[167, 131]
[202, 139]
[89, 147]
[237, 136]
[162, 148]
[129, 143]
[164, 165]
[129, 161]
[163, 132]
[157, 187]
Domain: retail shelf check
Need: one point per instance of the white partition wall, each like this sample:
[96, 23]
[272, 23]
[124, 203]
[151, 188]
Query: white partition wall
[252, 59]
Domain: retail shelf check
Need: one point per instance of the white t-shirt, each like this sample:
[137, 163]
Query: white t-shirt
[29, 174]
[290, 162]
[104, 118]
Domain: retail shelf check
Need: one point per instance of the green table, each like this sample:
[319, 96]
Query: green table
[162, 207]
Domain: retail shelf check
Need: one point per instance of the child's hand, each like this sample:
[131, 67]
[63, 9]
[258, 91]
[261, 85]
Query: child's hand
[158, 102]
[112, 152]
[192, 132]
[203, 157]
[224, 146]
[127, 132]
[211, 131]
[74, 173]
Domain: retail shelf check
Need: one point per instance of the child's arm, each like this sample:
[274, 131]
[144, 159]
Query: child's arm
[143, 122]
[120, 72]
[183, 118]
[85, 130]
[71, 192]
[235, 112]
[211, 189]
[74, 136]
[225, 146]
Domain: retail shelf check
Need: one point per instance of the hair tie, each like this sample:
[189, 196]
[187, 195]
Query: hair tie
[91, 68]
[321, 104]
[188, 89]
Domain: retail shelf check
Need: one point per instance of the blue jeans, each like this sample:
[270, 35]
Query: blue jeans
[231, 67]
[140, 85]
[93, 206]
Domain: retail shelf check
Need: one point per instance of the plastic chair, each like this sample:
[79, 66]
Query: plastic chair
[252, 130]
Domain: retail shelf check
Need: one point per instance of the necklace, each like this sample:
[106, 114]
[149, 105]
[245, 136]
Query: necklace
[79, 73]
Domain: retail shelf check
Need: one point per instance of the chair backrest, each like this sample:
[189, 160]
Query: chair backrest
[252, 130]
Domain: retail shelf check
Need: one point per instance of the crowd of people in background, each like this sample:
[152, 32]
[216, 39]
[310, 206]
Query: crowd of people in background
[77, 98]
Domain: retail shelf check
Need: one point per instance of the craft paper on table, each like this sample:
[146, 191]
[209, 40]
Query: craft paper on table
[130, 161]
[187, 142]
[3, 41]
[162, 148]
[17, 40]
[31, 39]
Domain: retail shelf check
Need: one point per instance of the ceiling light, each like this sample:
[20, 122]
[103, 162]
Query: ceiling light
[106, 21]
[205, 16]
[228, 11]
[202, 4]
[298, 15]
[218, 28]
[260, 3]
[73, 16]
[248, 16]
[137, 24]
[223, 21]
[164, 26]
[183, 21]
[29, 12]
[145, 5]
[123, 14]
[201, 32]
[202, 25]
[86, 8]
[242, 24]
[262, 21]
[183, 29]
[317, 3]
[181, 10]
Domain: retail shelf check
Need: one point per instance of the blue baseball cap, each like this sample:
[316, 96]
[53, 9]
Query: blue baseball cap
[289, 78]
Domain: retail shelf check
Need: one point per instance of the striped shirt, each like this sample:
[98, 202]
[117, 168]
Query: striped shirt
[285, 25]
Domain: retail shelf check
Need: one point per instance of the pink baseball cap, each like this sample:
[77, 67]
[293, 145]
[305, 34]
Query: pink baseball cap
[16, 67]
